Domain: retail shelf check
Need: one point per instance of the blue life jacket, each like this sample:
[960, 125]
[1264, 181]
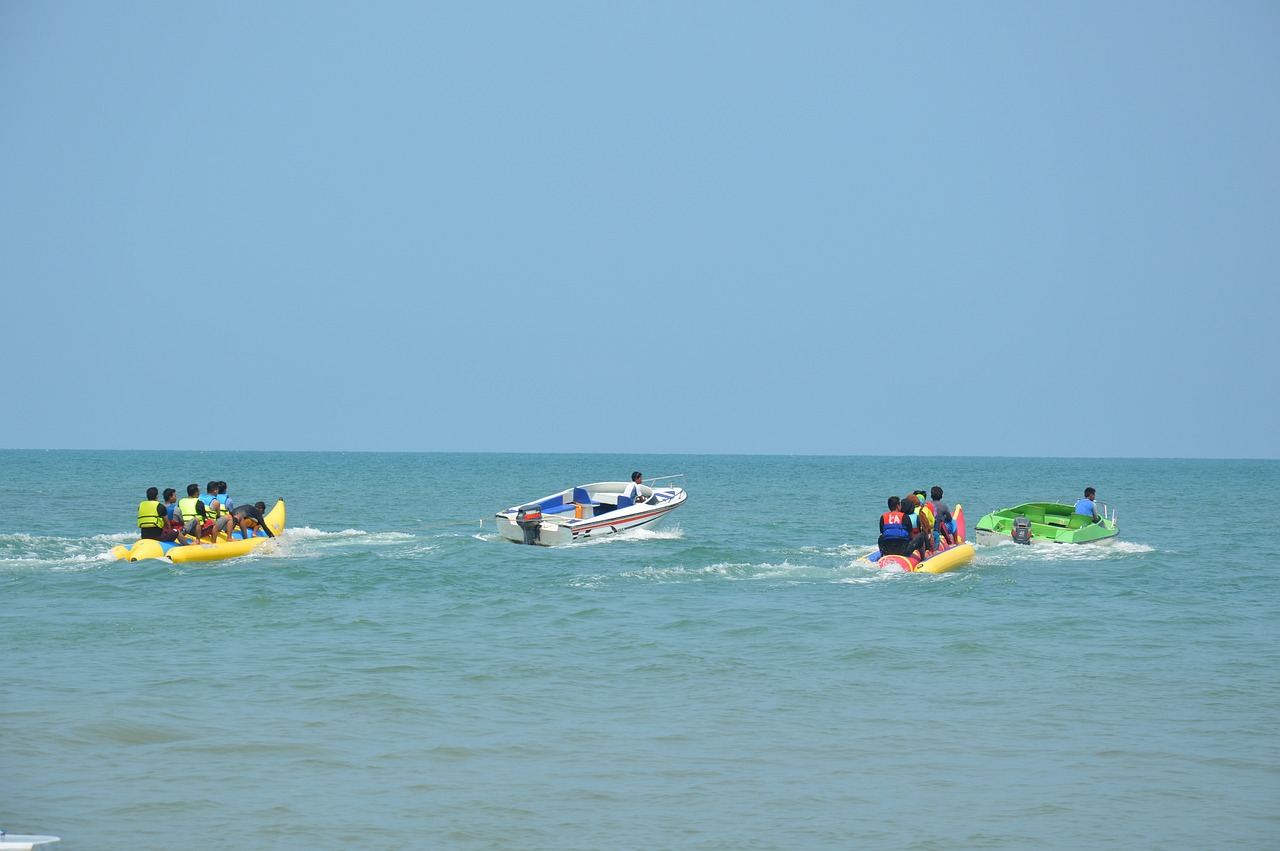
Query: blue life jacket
[895, 525]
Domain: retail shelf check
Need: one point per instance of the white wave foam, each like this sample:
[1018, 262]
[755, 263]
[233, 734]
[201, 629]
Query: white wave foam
[1006, 553]
[672, 533]
[732, 571]
[307, 533]
[875, 575]
[839, 551]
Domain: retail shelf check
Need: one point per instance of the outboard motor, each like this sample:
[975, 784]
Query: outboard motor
[1022, 531]
[529, 519]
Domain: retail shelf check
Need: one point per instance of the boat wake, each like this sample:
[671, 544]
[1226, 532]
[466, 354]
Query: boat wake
[786, 572]
[1008, 553]
[668, 533]
[307, 542]
[20, 551]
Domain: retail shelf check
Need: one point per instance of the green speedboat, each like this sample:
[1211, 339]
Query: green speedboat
[1047, 522]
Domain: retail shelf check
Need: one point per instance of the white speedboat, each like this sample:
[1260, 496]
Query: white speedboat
[588, 511]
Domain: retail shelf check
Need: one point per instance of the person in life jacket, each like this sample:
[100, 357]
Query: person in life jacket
[895, 530]
[920, 540]
[172, 525]
[227, 505]
[212, 505]
[924, 517]
[196, 519]
[151, 516]
[944, 525]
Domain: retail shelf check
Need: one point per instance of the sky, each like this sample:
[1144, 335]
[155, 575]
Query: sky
[922, 228]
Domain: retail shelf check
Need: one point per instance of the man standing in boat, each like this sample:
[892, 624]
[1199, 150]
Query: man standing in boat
[1087, 506]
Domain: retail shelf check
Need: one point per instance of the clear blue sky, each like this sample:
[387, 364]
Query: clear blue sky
[990, 228]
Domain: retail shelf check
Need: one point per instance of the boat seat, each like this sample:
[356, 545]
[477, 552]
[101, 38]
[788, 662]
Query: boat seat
[625, 501]
[581, 497]
[559, 509]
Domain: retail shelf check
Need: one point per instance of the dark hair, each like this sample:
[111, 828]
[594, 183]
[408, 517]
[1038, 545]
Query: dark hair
[894, 502]
[637, 474]
[168, 492]
[935, 492]
[152, 493]
[261, 506]
[1089, 492]
[193, 489]
[222, 487]
[211, 488]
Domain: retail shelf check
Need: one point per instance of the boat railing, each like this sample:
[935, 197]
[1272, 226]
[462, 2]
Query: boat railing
[679, 476]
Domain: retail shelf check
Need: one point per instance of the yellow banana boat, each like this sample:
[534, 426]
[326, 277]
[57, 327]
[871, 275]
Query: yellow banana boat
[214, 551]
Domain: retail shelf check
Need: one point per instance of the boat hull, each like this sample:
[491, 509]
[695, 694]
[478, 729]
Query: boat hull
[215, 551]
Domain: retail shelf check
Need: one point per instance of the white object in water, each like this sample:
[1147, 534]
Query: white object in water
[24, 842]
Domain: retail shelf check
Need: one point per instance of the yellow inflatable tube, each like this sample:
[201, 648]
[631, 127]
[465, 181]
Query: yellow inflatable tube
[948, 559]
[216, 551]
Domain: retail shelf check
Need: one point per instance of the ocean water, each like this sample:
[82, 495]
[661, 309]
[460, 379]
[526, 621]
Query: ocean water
[393, 675]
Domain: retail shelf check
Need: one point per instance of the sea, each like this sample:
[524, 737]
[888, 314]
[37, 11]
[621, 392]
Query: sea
[391, 674]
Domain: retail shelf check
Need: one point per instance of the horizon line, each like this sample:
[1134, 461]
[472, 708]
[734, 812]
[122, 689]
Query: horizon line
[690, 454]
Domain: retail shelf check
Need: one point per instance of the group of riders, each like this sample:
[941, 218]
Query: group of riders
[197, 516]
[917, 526]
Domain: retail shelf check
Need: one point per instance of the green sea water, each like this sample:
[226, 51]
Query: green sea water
[391, 674]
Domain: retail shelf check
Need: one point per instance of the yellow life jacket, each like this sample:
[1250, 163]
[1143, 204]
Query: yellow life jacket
[187, 508]
[149, 516]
